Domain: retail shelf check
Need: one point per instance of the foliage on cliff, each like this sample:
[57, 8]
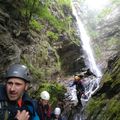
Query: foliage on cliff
[105, 104]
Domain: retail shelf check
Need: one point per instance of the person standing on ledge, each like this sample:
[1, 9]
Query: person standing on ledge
[78, 81]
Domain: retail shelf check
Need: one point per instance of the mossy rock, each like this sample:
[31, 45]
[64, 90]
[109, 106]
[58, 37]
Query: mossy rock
[105, 103]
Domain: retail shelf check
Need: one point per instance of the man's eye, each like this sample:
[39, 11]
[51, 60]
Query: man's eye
[9, 83]
[18, 84]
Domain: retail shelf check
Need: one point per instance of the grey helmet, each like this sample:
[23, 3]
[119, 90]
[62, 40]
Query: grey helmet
[19, 71]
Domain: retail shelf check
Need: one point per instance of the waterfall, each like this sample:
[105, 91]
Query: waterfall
[90, 60]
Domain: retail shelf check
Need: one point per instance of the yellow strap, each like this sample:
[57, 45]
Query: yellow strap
[6, 115]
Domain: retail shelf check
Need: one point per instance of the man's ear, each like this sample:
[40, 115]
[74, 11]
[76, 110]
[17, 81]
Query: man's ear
[27, 86]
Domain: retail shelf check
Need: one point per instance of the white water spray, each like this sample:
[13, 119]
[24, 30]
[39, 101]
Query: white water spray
[90, 60]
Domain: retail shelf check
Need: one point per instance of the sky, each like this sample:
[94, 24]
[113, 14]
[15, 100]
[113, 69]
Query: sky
[96, 4]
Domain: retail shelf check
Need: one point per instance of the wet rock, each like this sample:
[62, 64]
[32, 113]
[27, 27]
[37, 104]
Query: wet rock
[105, 103]
[9, 51]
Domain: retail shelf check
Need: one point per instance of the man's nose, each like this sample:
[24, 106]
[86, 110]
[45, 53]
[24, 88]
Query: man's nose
[13, 87]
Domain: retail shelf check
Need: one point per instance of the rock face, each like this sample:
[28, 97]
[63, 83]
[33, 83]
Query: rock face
[13, 40]
[44, 56]
[9, 51]
[108, 42]
[105, 103]
[71, 56]
[103, 26]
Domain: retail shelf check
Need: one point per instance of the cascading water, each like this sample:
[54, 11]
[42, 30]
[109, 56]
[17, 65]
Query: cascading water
[90, 61]
[90, 84]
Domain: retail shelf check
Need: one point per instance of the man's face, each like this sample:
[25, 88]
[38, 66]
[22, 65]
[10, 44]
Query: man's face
[44, 102]
[57, 116]
[15, 88]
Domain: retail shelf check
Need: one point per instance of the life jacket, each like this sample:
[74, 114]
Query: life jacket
[8, 109]
[44, 112]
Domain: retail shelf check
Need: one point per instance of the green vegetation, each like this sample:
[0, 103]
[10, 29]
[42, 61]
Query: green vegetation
[40, 71]
[112, 42]
[97, 51]
[90, 29]
[94, 105]
[50, 19]
[105, 105]
[48, 15]
[93, 34]
[45, 14]
[56, 91]
[104, 109]
[112, 109]
[65, 2]
[37, 73]
[52, 36]
[116, 2]
[30, 9]
[34, 24]
[104, 13]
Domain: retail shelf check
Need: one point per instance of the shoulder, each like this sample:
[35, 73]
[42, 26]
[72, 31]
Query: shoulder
[28, 101]
[35, 104]
[31, 106]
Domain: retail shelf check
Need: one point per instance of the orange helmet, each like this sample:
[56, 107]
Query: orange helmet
[78, 77]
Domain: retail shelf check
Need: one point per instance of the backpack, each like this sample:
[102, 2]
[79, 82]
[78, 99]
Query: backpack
[35, 117]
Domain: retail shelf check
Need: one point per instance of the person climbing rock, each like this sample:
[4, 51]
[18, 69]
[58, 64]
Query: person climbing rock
[15, 104]
[78, 81]
[43, 107]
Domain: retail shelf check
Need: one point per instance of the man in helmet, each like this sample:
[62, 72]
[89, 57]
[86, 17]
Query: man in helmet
[43, 108]
[56, 115]
[15, 104]
[78, 81]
